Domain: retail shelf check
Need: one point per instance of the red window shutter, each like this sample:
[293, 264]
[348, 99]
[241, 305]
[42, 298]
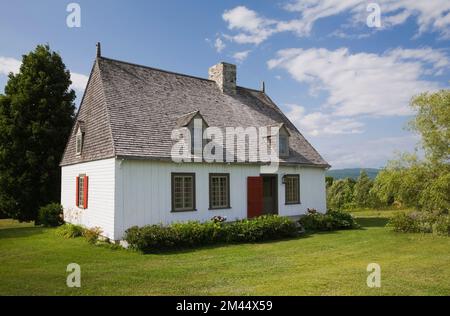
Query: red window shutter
[77, 195]
[86, 190]
[254, 196]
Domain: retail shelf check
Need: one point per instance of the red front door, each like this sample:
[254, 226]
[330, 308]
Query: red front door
[254, 196]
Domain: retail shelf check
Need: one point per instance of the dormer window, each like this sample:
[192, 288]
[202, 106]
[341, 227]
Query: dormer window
[79, 141]
[284, 145]
[280, 138]
[196, 125]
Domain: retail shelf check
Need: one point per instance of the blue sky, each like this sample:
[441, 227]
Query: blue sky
[344, 84]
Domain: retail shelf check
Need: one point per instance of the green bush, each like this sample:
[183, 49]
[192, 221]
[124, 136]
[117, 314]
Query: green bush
[421, 222]
[51, 215]
[70, 231]
[268, 227]
[442, 225]
[332, 220]
[152, 238]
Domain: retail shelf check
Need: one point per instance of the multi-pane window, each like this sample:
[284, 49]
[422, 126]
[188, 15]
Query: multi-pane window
[219, 190]
[183, 191]
[81, 190]
[292, 189]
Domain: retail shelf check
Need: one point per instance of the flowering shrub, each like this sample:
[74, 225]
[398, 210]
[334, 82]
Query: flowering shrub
[218, 219]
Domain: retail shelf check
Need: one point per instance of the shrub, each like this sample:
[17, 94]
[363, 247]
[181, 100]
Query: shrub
[70, 231]
[191, 234]
[51, 215]
[442, 226]
[421, 222]
[332, 220]
[92, 234]
[267, 227]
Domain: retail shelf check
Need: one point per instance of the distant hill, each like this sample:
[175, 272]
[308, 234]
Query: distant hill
[352, 173]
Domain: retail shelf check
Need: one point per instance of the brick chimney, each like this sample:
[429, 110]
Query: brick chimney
[224, 75]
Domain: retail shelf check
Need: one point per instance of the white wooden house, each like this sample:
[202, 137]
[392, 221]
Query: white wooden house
[118, 171]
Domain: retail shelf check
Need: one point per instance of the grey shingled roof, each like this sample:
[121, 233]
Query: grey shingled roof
[129, 111]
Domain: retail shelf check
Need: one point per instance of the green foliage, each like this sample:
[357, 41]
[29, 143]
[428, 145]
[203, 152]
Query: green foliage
[361, 190]
[153, 238]
[442, 226]
[92, 234]
[402, 181]
[410, 182]
[36, 116]
[421, 222]
[340, 193]
[70, 231]
[432, 122]
[436, 194]
[51, 215]
[268, 227]
[332, 220]
[424, 184]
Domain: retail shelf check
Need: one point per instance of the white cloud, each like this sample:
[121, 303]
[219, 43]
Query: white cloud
[241, 56]
[320, 124]
[254, 28]
[79, 81]
[367, 153]
[219, 45]
[251, 27]
[364, 83]
[8, 64]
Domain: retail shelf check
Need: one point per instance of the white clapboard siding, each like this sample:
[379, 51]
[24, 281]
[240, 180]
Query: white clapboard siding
[100, 211]
[143, 192]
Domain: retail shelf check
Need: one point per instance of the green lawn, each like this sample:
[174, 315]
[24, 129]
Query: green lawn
[33, 262]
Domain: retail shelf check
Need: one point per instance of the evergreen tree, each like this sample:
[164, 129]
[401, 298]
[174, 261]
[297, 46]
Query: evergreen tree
[36, 116]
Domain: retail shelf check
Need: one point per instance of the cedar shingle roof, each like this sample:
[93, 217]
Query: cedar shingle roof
[129, 111]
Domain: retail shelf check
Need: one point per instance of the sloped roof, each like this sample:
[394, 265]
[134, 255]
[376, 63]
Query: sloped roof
[129, 111]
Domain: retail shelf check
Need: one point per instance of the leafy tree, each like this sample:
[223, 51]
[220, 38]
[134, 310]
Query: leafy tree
[36, 116]
[340, 193]
[423, 184]
[432, 122]
[361, 192]
[402, 181]
[436, 195]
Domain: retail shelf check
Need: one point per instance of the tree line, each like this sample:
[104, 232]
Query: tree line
[422, 183]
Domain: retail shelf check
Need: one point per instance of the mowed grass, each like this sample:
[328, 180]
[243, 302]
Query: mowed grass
[33, 261]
